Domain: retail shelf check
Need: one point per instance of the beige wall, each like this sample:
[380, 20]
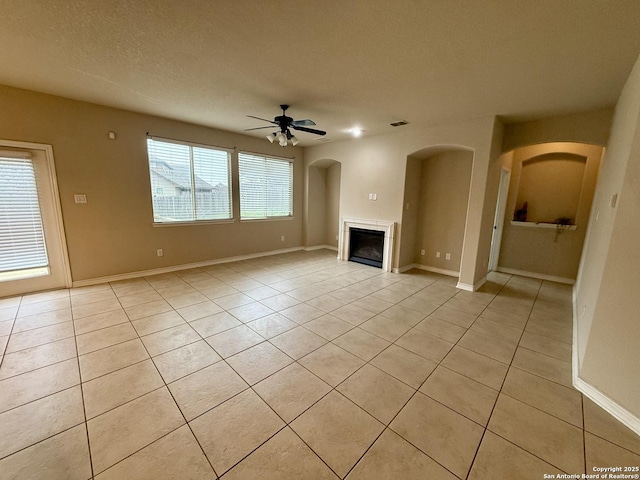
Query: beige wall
[317, 209]
[333, 204]
[411, 207]
[113, 233]
[540, 250]
[588, 127]
[607, 299]
[551, 186]
[442, 209]
[378, 165]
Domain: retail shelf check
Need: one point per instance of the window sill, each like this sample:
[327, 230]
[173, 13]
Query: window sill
[543, 225]
[269, 219]
[193, 223]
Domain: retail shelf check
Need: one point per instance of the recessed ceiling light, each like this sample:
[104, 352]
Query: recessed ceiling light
[356, 131]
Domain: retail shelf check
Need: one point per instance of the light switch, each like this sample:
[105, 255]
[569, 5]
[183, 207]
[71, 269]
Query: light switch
[80, 198]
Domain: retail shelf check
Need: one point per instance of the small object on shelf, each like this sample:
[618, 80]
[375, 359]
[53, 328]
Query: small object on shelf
[563, 221]
[560, 223]
[521, 214]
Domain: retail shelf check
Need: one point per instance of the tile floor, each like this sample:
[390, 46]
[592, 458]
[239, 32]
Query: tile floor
[297, 366]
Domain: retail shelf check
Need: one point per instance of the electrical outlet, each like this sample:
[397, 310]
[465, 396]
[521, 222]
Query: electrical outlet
[80, 198]
[447, 256]
[160, 252]
[282, 238]
[437, 254]
[421, 252]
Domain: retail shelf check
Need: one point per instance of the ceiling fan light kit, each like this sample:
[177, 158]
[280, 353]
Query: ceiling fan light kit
[284, 135]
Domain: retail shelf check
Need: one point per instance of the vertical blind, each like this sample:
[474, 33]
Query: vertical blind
[266, 186]
[188, 182]
[22, 243]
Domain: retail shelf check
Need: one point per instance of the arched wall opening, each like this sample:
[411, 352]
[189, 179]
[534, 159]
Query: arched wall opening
[322, 203]
[547, 209]
[436, 202]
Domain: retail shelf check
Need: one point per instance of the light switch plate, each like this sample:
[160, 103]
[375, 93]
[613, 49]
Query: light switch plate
[80, 198]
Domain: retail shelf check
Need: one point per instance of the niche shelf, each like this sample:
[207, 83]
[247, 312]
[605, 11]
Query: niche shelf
[543, 225]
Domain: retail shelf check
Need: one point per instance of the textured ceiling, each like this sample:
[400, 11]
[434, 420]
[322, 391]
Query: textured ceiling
[341, 63]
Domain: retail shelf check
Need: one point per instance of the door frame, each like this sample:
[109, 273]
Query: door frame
[498, 221]
[61, 252]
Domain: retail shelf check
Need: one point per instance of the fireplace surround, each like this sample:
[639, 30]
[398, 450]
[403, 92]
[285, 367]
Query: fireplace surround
[386, 227]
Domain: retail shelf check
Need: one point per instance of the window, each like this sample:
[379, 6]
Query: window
[190, 182]
[22, 243]
[266, 187]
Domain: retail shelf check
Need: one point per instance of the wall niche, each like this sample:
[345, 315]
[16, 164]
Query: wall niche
[551, 185]
[557, 181]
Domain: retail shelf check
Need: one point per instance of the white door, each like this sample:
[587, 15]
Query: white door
[33, 254]
[498, 221]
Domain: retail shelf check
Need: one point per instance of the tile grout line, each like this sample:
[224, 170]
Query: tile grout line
[288, 424]
[416, 391]
[13, 323]
[166, 386]
[486, 426]
[84, 407]
[500, 392]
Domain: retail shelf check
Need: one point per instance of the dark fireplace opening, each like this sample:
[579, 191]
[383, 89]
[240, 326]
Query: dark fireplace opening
[366, 246]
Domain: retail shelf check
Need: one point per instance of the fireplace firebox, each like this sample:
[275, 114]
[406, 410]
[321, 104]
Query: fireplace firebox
[366, 246]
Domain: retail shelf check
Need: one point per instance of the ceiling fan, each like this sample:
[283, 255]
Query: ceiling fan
[284, 135]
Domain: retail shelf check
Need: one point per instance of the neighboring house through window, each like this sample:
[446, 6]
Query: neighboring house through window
[189, 182]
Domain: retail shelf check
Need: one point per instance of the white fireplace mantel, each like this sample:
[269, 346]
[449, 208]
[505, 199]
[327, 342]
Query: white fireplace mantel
[379, 225]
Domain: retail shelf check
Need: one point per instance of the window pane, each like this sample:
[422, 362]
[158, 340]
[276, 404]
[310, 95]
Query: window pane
[278, 188]
[213, 192]
[22, 244]
[265, 187]
[188, 183]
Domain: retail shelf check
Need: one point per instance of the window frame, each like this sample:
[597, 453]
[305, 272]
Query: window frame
[267, 157]
[230, 182]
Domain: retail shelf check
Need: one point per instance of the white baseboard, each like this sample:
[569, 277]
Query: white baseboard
[596, 396]
[603, 401]
[175, 268]
[575, 360]
[321, 247]
[406, 268]
[539, 276]
[419, 266]
[472, 288]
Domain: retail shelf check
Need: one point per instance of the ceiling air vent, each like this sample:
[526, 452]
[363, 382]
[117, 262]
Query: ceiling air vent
[399, 124]
[322, 139]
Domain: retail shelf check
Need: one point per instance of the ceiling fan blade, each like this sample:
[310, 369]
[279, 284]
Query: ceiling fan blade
[263, 119]
[305, 123]
[257, 128]
[310, 130]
